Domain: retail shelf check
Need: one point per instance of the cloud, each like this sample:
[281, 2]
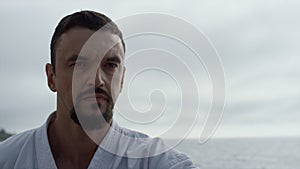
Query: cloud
[257, 42]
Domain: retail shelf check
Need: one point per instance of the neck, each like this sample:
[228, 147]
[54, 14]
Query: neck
[70, 143]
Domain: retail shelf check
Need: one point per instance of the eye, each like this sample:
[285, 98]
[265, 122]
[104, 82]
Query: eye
[112, 65]
[79, 64]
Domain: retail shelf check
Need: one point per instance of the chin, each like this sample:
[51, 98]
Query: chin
[91, 117]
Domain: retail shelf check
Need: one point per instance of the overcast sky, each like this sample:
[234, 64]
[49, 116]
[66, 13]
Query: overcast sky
[257, 41]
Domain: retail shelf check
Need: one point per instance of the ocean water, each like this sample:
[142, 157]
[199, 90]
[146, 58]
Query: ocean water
[244, 153]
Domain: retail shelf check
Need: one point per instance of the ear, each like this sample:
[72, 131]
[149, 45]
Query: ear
[122, 81]
[50, 77]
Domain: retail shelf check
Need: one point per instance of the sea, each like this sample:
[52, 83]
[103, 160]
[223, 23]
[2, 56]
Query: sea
[244, 153]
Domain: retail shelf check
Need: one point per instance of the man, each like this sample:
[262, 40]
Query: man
[87, 73]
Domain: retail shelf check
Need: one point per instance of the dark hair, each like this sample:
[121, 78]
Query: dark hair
[85, 19]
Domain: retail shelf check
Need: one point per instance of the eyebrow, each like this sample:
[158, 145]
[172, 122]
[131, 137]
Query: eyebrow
[74, 57]
[114, 59]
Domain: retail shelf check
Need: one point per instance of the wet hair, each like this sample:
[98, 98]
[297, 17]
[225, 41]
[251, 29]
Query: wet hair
[84, 19]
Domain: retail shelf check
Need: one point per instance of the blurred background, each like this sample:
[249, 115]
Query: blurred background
[257, 42]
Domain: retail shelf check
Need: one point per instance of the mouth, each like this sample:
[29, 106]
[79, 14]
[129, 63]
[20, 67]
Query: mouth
[97, 97]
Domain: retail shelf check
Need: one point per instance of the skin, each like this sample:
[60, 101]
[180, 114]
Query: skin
[72, 146]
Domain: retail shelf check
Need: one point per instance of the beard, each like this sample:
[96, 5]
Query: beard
[94, 116]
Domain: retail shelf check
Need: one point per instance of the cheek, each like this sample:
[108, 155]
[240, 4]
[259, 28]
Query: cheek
[66, 87]
[80, 84]
[115, 87]
[64, 90]
[63, 82]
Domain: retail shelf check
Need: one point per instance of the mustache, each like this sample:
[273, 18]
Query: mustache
[92, 91]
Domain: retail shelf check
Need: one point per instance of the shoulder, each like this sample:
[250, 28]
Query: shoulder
[172, 159]
[128, 132]
[11, 147]
[15, 142]
[153, 151]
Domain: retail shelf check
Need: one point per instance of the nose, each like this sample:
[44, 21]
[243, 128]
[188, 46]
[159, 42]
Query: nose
[99, 82]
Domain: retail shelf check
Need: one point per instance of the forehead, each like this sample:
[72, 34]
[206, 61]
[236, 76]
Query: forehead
[86, 42]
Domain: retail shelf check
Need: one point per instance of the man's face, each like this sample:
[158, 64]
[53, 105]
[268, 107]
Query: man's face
[89, 75]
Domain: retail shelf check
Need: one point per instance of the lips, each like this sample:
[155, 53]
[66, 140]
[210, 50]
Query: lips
[97, 97]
